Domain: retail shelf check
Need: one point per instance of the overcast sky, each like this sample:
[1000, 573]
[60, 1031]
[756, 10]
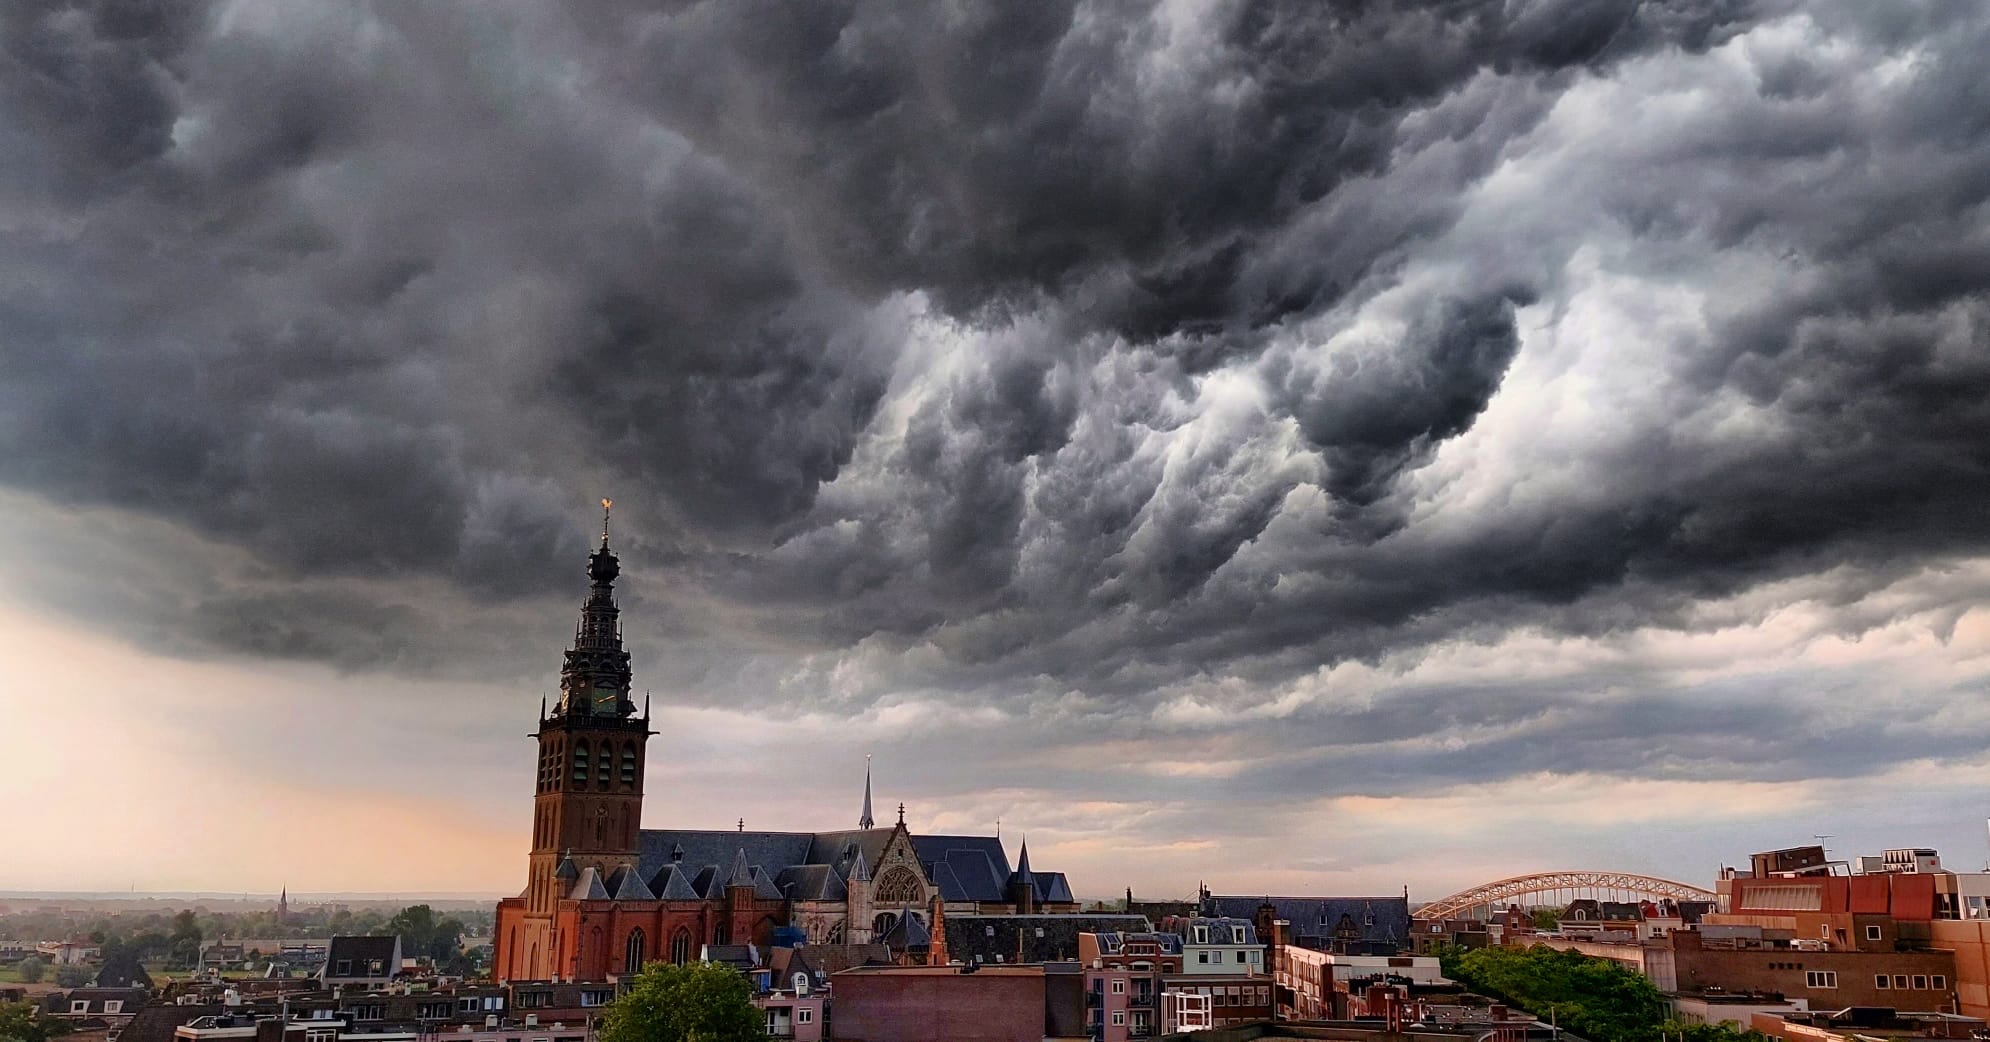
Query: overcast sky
[1319, 447]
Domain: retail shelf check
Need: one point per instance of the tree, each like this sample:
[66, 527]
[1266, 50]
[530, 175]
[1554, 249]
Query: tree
[1596, 999]
[698, 1002]
[1547, 920]
[71, 976]
[31, 969]
[19, 1020]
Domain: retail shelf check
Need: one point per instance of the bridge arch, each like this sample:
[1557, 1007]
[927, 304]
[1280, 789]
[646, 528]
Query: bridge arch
[1607, 885]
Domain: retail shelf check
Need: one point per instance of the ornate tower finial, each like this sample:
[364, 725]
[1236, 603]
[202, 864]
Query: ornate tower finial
[864, 820]
[901, 813]
[606, 505]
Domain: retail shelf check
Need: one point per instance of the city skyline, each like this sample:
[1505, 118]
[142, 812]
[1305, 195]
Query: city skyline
[1302, 448]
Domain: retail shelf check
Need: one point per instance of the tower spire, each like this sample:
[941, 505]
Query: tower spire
[864, 820]
[595, 679]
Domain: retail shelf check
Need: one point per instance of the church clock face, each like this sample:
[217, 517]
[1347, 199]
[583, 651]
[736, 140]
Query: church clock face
[606, 701]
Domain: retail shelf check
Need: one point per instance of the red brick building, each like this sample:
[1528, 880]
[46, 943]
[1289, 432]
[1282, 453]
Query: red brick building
[922, 1003]
[604, 895]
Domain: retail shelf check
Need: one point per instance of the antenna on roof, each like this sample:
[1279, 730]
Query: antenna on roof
[606, 505]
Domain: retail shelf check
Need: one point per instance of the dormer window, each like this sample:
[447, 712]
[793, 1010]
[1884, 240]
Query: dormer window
[1202, 935]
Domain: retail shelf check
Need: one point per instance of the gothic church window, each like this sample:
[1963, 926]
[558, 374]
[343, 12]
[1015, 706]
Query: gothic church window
[680, 946]
[899, 886]
[632, 952]
[580, 760]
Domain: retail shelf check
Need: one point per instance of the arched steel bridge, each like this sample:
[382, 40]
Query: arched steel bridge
[1600, 885]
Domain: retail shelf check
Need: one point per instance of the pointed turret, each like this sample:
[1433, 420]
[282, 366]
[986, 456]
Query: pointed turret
[742, 873]
[860, 871]
[1022, 885]
[864, 820]
[595, 679]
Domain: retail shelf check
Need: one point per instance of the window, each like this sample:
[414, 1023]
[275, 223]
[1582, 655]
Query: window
[1899, 980]
[345, 968]
[113, 1005]
[1202, 935]
[580, 760]
[1920, 982]
[1872, 933]
[1202, 957]
[1238, 933]
[1882, 981]
[680, 947]
[376, 966]
[1821, 979]
[1940, 981]
[804, 1015]
[1118, 986]
[1118, 1017]
[632, 952]
[80, 1006]
[596, 996]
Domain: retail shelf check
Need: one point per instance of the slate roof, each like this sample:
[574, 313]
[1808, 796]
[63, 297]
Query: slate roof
[672, 884]
[626, 884]
[58, 1002]
[589, 886]
[155, 1022]
[811, 883]
[908, 934]
[972, 938]
[820, 960]
[1051, 887]
[741, 957]
[964, 868]
[1383, 922]
[123, 971]
[361, 951]
[976, 867]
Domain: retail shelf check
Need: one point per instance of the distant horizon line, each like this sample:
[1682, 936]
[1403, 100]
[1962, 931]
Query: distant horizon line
[249, 895]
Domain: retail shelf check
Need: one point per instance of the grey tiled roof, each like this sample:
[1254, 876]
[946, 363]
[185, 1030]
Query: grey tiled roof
[672, 884]
[811, 883]
[964, 868]
[908, 933]
[626, 884]
[983, 937]
[1383, 923]
[589, 886]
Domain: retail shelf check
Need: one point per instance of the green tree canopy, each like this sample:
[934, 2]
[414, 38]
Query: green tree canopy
[19, 1020]
[699, 1002]
[1597, 999]
[31, 969]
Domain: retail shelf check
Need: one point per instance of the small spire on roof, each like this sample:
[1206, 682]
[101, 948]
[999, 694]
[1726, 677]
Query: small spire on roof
[606, 505]
[742, 824]
[901, 812]
[864, 820]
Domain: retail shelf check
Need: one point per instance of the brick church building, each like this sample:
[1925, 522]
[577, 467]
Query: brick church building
[603, 895]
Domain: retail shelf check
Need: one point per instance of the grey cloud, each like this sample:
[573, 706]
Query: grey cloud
[1022, 355]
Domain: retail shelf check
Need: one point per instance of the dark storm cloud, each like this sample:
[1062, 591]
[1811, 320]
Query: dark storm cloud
[1040, 356]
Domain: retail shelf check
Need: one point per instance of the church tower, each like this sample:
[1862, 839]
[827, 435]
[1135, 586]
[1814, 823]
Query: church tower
[589, 802]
